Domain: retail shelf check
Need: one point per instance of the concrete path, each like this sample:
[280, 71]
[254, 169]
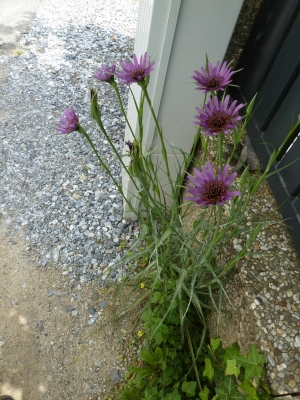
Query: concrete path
[15, 19]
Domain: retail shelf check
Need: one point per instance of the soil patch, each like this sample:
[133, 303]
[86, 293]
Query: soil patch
[44, 325]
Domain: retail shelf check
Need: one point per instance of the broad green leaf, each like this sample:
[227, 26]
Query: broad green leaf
[158, 336]
[223, 396]
[232, 352]
[158, 355]
[218, 375]
[156, 297]
[252, 363]
[189, 388]
[250, 390]
[208, 370]
[231, 368]
[159, 358]
[227, 388]
[216, 397]
[214, 344]
[143, 372]
[264, 396]
[164, 328]
[204, 393]
[236, 395]
[133, 369]
[146, 356]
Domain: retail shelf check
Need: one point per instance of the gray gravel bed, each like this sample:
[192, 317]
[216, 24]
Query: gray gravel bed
[52, 185]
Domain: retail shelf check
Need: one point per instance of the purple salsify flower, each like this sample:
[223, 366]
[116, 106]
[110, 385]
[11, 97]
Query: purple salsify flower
[215, 79]
[134, 71]
[68, 121]
[105, 73]
[217, 116]
[207, 189]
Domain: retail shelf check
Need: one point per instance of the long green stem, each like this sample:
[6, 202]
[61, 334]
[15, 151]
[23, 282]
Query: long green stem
[115, 86]
[220, 148]
[163, 147]
[216, 232]
[81, 130]
[96, 115]
[204, 142]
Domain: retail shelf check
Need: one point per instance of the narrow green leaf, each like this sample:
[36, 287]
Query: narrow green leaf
[231, 368]
[272, 160]
[208, 370]
[189, 388]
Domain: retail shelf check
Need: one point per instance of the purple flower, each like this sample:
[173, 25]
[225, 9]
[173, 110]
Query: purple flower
[105, 73]
[135, 71]
[217, 116]
[68, 121]
[208, 189]
[215, 79]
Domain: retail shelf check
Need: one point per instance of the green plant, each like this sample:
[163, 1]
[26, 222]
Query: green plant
[18, 52]
[224, 374]
[180, 268]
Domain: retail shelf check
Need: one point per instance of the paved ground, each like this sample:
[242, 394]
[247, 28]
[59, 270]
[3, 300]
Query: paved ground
[15, 19]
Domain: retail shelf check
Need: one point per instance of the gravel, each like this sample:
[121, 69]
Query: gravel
[52, 186]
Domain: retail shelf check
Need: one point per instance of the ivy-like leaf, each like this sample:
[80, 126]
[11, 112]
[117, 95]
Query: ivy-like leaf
[208, 370]
[216, 397]
[250, 390]
[236, 395]
[231, 368]
[214, 344]
[189, 388]
[204, 393]
[227, 388]
[218, 375]
[232, 352]
[252, 363]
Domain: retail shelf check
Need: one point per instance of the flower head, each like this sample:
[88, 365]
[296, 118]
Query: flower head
[217, 116]
[134, 71]
[140, 333]
[105, 73]
[207, 189]
[142, 285]
[68, 121]
[215, 79]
